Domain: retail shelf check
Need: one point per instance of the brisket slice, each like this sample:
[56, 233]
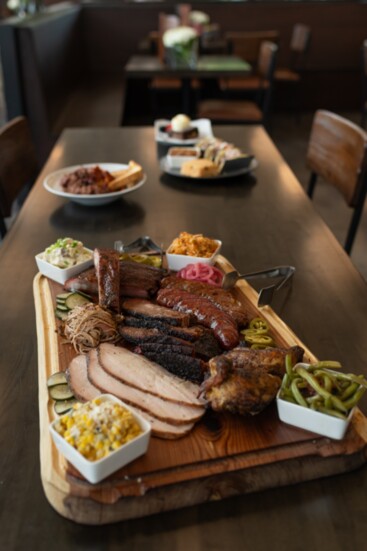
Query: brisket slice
[138, 335]
[206, 313]
[78, 381]
[107, 266]
[221, 298]
[204, 342]
[84, 391]
[147, 309]
[185, 367]
[170, 412]
[158, 347]
[186, 333]
[136, 280]
[137, 371]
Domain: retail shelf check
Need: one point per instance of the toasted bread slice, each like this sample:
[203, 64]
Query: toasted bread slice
[127, 178]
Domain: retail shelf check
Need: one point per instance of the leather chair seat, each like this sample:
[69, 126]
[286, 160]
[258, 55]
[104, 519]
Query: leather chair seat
[170, 83]
[251, 83]
[286, 75]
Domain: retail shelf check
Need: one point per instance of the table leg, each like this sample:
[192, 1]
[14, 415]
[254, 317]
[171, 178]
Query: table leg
[186, 93]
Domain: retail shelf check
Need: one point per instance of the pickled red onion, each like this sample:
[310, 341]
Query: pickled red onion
[202, 272]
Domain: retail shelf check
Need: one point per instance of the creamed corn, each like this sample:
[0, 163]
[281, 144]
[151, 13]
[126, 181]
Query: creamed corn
[98, 427]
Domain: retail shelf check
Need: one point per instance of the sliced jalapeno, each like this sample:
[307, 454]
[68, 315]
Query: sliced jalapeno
[259, 325]
[255, 338]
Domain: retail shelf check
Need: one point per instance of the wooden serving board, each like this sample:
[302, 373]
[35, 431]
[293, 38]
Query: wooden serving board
[224, 455]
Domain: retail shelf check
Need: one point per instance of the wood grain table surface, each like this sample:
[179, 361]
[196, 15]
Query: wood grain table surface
[263, 220]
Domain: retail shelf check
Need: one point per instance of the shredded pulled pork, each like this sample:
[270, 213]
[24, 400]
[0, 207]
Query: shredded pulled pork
[88, 325]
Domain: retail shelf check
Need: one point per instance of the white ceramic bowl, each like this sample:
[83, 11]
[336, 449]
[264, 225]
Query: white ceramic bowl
[176, 161]
[178, 261]
[61, 274]
[95, 471]
[309, 419]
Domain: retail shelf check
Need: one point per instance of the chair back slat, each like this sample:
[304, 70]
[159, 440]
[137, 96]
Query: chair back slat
[247, 44]
[337, 153]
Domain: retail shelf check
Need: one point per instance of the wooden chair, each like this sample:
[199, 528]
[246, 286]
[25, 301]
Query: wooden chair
[241, 111]
[18, 165]
[247, 45]
[337, 152]
[299, 45]
[364, 83]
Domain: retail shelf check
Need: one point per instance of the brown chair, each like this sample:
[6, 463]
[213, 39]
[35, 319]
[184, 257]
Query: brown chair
[299, 45]
[247, 45]
[337, 152]
[18, 165]
[241, 111]
[364, 83]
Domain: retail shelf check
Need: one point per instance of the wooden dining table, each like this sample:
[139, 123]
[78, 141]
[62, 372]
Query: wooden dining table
[208, 67]
[264, 219]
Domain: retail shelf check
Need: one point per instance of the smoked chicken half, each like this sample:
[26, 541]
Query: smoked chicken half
[245, 380]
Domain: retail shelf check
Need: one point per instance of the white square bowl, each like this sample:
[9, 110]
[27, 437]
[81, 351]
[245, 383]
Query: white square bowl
[314, 421]
[178, 261]
[176, 161]
[95, 471]
[62, 274]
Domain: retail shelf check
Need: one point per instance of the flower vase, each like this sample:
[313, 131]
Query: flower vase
[183, 56]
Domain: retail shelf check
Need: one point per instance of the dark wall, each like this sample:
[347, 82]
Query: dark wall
[331, 75]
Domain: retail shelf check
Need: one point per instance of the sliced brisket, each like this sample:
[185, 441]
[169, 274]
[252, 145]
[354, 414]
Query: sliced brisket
[171, 412]
[140, 372]
[148, 310]
[107, 266]
[185, 367]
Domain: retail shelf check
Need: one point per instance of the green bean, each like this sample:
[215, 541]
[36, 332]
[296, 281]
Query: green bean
[289, 366]
[332, 412]
[353, 400]
[329, 364]
[338, 404]
[296, 393]
[349, 391]
[312, 382]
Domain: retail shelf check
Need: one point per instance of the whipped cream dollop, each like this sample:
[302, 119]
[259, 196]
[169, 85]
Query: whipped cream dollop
[180, 122]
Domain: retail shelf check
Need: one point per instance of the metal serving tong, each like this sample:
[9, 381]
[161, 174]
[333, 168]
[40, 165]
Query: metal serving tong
[143, 245]
[266, 294]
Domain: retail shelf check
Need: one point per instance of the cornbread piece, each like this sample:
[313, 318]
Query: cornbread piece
[126, 178]
[199, 168]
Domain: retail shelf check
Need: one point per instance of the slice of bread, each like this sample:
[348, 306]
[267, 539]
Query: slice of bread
[127, 178]
[199, 168]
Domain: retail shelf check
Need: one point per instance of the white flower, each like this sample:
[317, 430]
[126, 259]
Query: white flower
[178, 35]
[199, 17]
[13, 5]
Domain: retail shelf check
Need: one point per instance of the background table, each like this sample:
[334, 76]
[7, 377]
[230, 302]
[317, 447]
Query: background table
[263, 221]
[208, 67]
